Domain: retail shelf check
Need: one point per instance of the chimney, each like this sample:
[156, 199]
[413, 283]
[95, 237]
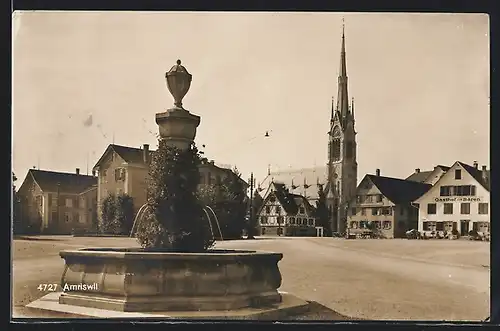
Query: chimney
[212, 162]
[484, 174]
[145, 153]
[93, 173]
[417, 171]
[475, 164]
[377, 172]
[77, 171]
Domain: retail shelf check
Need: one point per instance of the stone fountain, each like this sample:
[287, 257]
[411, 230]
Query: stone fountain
[133, 282]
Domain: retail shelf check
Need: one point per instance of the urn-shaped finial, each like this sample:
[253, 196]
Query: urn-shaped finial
[178, 82]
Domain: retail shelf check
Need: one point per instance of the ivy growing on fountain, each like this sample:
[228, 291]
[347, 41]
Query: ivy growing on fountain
[174, 220]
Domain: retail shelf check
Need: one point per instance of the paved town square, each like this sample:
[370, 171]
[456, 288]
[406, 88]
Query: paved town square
[366, 279]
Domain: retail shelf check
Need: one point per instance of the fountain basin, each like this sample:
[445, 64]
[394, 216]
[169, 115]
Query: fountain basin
[134, 280]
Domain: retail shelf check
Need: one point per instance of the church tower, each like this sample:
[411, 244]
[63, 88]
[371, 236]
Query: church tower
[342, 165]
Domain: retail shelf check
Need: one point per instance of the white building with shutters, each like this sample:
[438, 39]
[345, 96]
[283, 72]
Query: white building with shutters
[459, 200]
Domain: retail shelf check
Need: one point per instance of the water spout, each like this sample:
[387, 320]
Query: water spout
[209, 223]
[216, 221]
[138, 216]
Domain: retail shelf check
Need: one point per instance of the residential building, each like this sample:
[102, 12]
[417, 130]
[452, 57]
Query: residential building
[57, 202]
[459, 200]
[286, 214]
[342, 151]
[124, 170]
[385, 202]
[428, 177]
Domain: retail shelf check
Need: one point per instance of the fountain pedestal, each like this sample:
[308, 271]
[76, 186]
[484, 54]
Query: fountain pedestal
[177, 127]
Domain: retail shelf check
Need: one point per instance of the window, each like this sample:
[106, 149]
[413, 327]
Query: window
[263, 219]
[336, 149]
[429, 226]
[66, 217]
[378, 224]
[483, 208]
[69, 202]
[448, 208]
[280, 219]
[458, 174]
[292, 220]
[268, 209]
[278, 210]
[359, 198]
[304, 221]
[363, 224]
[119, 174]
[439, 226]
[465, 208]
[272, 198]
[375, 211]
[354, 211]
[387, 211]
[363, 211]
[104, 175]
[387, 225]
[301, 210]
[444, 191]
[431, 208]
[311, 222]
[354, 225]
[379, 197]
[53, 216]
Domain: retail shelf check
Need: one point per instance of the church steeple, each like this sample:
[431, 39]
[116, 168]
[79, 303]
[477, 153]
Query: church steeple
[343, 97]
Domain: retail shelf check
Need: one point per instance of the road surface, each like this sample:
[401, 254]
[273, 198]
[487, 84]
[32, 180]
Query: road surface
[368, 279]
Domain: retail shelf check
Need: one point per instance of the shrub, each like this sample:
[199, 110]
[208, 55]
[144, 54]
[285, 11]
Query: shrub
[124, 212]
[108, 223]
[174, 220]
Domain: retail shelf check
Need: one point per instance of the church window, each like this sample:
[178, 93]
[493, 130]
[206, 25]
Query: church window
[336, 150]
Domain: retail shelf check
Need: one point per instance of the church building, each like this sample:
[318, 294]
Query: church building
[338, 178]
[342, 167]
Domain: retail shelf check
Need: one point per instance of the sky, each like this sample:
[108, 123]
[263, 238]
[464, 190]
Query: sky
[420, 83]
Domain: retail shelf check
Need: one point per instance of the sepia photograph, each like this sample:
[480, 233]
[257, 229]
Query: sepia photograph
[258, 166]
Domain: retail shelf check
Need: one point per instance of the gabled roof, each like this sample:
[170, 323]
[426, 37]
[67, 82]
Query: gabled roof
[298, 177]
[399, 191]
[477, 174]
[128, 154]
[68, 182]
[290, 202]
[422, 176]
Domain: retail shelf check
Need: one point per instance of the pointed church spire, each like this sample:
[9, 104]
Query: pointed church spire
[343, 98]
[333, 110]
